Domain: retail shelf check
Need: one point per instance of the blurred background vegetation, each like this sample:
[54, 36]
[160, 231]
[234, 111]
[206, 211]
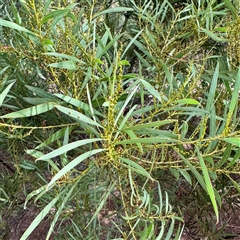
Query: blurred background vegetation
[120, 119]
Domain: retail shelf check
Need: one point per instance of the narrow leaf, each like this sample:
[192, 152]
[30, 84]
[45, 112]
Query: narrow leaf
[235, 95]
[32, 111]
[129, 98]
[77, 103]
[214, 36]
[102, 202]
[61, 207]
[149, 125]
[232, 8]
[39, 218]
[209, 186]
[132, 135]
[130, 43]
[149, 140]
[70, 65]
[54, 137]
[136, 166]
[73, 164]
[211, 95]
[68, 147]
[235, 141]
[150, 88]
[5, 92]
[194, 171]
[40, 92]
[188, 101]
[61, 55]
[57, 13]
[114, 10]
[34, 193]
[15, 26]
[77, 115]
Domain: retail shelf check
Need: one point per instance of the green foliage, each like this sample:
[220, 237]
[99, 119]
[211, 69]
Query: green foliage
[113, 101]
